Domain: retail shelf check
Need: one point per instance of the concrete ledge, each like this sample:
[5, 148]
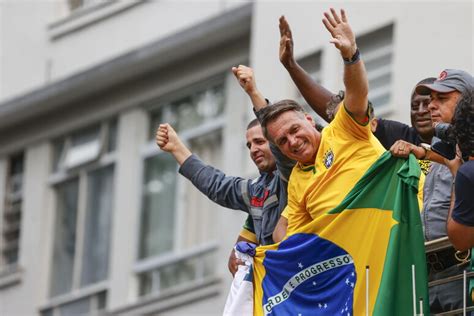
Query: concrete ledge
[84, 17]
[10, 278]
[186, 294]
[127, 67]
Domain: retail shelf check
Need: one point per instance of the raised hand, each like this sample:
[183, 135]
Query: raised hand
[286, 44]
[166, 138]
[342, 36]
[246, 79]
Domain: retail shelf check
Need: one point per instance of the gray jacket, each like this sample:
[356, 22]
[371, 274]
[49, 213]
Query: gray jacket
[263, 197]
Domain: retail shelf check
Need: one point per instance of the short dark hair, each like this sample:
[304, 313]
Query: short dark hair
[333, 102]
[273, 111]
[336, 99]
[463, 123]
[253, 123]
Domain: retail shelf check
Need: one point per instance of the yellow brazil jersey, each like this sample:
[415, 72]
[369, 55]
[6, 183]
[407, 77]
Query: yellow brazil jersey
[346, 151]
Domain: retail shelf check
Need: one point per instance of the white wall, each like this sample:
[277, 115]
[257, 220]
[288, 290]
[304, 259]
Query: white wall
[29, 57]
[23, 45]
[428, 37]
[35, 238]
[130, 29]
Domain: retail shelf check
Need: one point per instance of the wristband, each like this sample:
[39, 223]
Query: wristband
[355, 58]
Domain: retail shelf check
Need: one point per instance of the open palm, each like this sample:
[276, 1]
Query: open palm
[342, 36]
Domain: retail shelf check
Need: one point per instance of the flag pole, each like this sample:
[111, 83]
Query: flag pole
[367, 290]
[413, 288]
[464, 293]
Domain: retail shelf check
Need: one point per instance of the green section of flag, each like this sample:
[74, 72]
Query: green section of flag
[392, 184]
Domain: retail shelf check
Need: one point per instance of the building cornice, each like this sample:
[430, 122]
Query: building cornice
[127, 67]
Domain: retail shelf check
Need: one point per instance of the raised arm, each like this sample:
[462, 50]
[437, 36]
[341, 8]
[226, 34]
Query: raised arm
[246, 79]
[168, 140]
[228, 191]
[315, 95]
[355, 76]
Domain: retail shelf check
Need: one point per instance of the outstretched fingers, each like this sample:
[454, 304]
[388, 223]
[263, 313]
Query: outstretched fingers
[281, 25]
[335, 16]
[330, 19]
[328, 26]
[343, 16]
[284, 27]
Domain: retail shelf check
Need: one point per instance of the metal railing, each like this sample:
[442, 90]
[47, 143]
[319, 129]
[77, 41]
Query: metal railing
[441, 244]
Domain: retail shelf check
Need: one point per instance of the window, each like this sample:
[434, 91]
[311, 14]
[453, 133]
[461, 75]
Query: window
[377, 52]
[158, 206]
[191, 110]
[83, 181]
[176, 248]
[89, 305]
[11, 221]
[312, 65]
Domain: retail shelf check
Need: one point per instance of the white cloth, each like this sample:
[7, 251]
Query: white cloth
[240, 298]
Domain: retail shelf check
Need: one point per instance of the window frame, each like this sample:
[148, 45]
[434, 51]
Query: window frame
[312, 64]
[386, 49]
[10, 273]
[149, 150]
[59, 176]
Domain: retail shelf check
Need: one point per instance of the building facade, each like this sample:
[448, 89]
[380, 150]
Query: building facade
[94, 218]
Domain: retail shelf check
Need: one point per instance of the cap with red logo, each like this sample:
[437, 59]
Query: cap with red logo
[449, 80]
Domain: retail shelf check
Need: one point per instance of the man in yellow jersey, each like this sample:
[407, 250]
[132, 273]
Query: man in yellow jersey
[329, 163]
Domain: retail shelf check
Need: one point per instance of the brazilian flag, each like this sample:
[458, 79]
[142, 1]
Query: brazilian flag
[372, 243]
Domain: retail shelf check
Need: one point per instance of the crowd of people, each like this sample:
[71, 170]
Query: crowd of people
[306, 170]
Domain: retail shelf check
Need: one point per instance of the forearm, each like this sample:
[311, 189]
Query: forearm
[181, 153]
[315, 95]
[258, 101]
[225, 190]
[357, 89]
[432, 156]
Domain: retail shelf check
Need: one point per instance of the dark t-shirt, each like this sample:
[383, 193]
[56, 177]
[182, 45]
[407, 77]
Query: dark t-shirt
[388, 132]
[463, 211]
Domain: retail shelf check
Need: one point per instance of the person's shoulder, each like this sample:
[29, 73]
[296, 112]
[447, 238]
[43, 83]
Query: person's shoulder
[467, 169]
[393, 124]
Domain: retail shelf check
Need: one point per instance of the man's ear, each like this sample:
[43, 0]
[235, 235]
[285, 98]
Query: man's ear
[310, 119]
[373, 124]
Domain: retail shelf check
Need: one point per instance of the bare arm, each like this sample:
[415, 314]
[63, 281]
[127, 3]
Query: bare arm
[461, 236]
[403, 148]
[246, 78]
[316, 95]
[168, 140]
[280, 229]
[355, 76]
